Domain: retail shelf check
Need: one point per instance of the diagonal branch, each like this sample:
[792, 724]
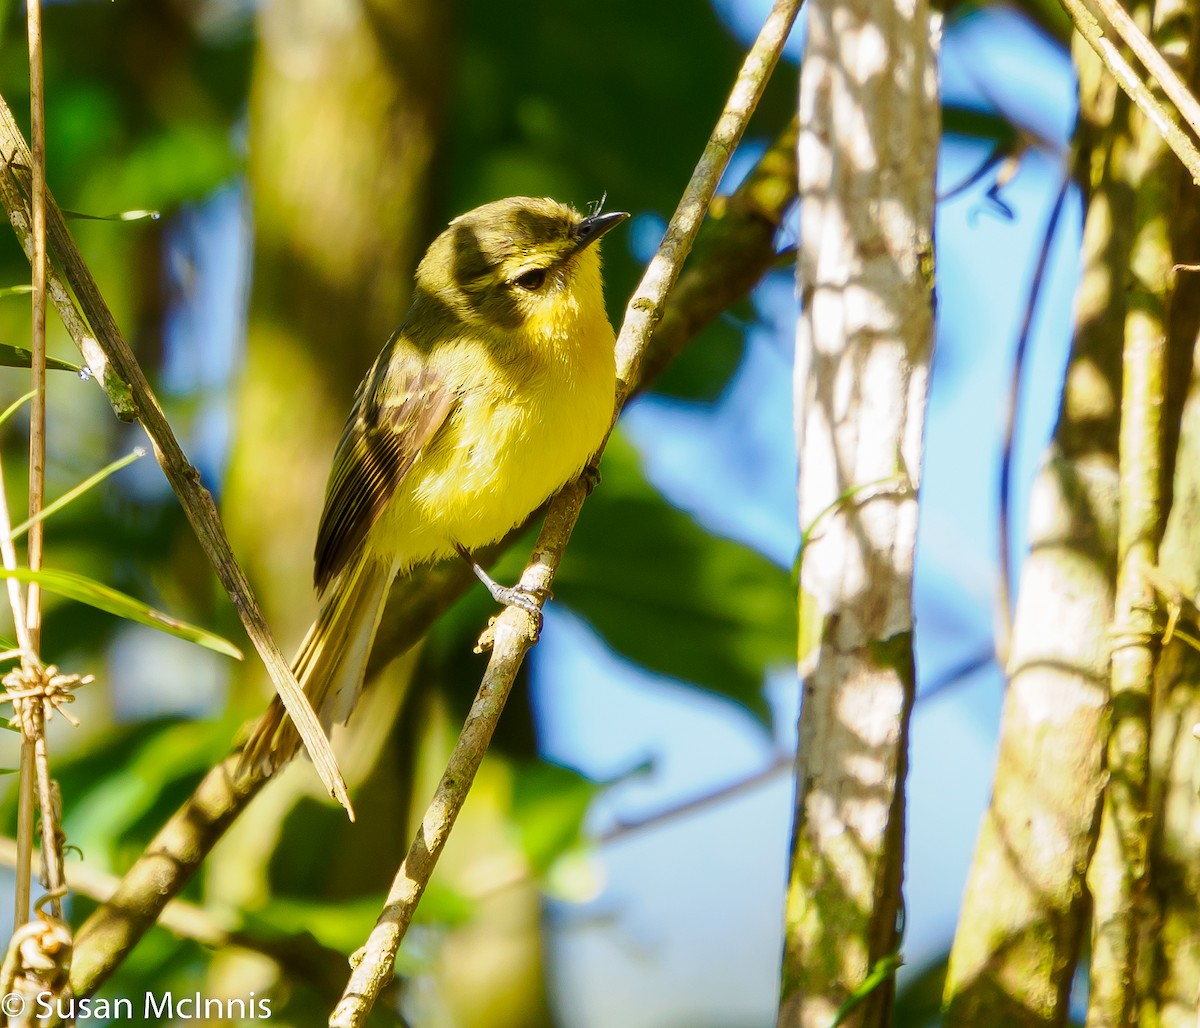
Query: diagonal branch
[1153, 60]
[1128, 79]
[302, 958]
[119, 364]
[169, 862]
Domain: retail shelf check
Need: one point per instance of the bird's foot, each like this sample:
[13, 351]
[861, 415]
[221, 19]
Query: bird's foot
[509, 595]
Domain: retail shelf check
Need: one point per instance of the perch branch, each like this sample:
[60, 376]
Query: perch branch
[375, 961]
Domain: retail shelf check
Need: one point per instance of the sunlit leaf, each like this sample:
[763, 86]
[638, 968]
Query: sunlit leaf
[135, 215]
[883, 969]
[97, 594]
[811, 625]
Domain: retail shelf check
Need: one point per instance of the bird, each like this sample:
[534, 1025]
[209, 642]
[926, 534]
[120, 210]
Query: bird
[497, 389]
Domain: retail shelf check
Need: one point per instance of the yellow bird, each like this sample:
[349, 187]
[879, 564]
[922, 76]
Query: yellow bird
[496, 391]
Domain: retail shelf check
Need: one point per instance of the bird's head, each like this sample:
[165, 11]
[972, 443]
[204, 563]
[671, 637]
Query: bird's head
[520, 264]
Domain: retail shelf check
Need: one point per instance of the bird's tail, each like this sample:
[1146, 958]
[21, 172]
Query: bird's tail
[330, 664]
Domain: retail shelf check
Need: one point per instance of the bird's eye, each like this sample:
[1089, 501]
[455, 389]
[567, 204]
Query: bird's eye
[531, 280]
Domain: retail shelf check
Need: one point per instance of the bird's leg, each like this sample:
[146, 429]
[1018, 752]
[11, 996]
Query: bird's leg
[506, 595]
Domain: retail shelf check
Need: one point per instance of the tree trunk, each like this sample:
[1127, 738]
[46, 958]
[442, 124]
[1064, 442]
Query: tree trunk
[1025, 907]
[868, 145]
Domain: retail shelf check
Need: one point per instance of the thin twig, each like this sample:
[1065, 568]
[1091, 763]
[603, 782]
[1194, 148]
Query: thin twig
[48, 804]
[31, 712]
[1128, 79]
[35, 787]
[26, 804]
[1008, 436]
[512, 638]
[37, 410]
[717, 276]
[116, 361]
[631, 826]
[649, 301]
[26, 787]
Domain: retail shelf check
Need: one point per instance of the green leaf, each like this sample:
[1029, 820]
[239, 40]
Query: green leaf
[549, 805]
[18, 357]
[974, 123]
[811, 625]
[96, 594]
[340, 925]
[134, 215]
[121, 784]
[343, 923]
[670, 595]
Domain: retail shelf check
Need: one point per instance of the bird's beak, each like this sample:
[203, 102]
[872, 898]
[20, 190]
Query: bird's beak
[593, 227]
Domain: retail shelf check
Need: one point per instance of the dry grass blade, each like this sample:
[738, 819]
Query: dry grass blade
[109, 357]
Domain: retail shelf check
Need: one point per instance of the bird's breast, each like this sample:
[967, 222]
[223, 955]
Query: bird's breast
[518, 433]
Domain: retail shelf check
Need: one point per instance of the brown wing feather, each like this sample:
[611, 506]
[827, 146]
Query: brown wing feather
[400, 406]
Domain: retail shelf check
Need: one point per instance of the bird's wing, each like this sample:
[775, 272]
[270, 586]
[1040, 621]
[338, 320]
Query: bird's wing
[399, 408]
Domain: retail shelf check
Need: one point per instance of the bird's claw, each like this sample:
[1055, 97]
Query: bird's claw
[515, 596]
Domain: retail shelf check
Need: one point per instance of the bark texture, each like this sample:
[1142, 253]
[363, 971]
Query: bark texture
[868, 142]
